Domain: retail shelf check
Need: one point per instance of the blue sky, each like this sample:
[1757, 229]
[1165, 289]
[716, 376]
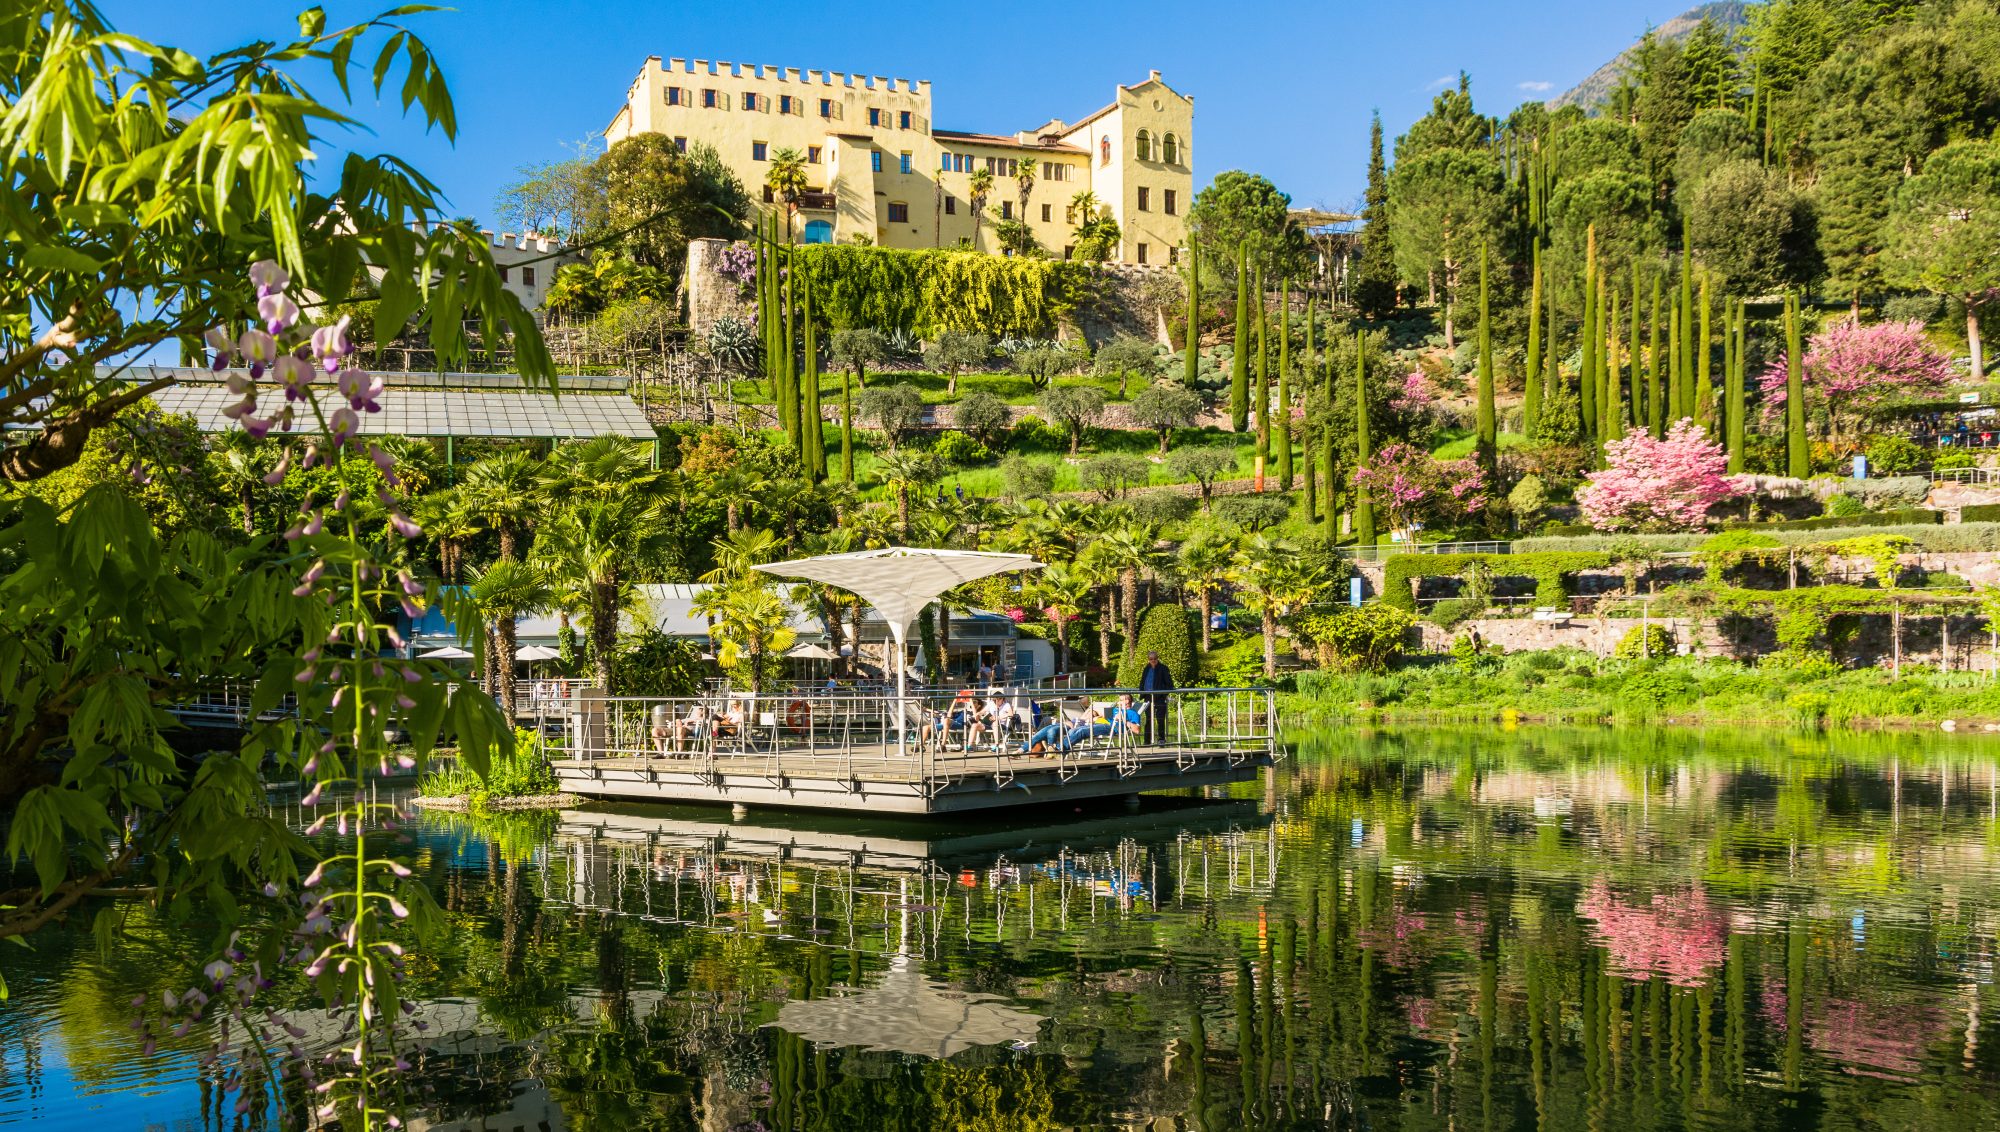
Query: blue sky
[1281, 89]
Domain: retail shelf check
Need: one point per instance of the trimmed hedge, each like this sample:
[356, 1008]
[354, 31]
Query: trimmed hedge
[1548, 569]
[1906, 517]
[1168, 630]
[1926, 536]
[1979, 513]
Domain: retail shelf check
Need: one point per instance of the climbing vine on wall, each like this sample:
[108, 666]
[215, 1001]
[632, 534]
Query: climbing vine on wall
[929, 291]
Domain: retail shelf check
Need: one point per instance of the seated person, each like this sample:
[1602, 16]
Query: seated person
[692, 726]
[1121, 718]
[992, 719]
[662, 715]
[730, 722]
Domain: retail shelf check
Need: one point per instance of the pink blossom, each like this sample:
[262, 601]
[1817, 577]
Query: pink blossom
[1658, 484]
[1409, 484]
[269, 277]
[1417, 394]
[1854, 370]
[1676, 935]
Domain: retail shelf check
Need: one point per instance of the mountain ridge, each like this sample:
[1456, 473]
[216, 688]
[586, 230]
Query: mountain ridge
[1729, 15]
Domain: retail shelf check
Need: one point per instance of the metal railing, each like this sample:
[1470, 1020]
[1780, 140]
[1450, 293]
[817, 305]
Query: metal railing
[1381, 551]
[1966, 475]
[934, 737]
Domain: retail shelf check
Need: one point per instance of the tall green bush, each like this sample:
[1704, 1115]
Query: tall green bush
[1166, 629]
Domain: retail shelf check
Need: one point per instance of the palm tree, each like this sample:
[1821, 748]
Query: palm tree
[902, 472]
[1082, 208]
[787, 179]
[503, 592]
[741, 550]
[978, 187]
[1064, 592]
[739, 489]
[1206, 564]
[240, 468]
[752, 623]
[1024, 180]
[504, 492]
[1277, 583]
[1129, 549]
[1103, 575]
[615, 519]
[449, 521]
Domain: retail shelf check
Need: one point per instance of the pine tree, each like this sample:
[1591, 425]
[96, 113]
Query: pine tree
[1284, 409]
[1798, 462]
[1374, 287]
[1531, 372]
[1364, 509]
[1488, 443]
[1239, 361]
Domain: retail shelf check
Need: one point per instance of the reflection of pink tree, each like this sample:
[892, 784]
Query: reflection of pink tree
[1852, 370]
[1407, 484]
[1871, 1039]
[1658, 484]
[1676, 935]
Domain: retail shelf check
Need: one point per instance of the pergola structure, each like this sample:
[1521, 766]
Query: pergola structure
[899, 581]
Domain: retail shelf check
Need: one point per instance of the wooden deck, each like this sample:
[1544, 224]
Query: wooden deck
[875, 778]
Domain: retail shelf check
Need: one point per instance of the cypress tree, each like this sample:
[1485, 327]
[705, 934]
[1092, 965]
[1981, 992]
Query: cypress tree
[813, 432]
[1305, 434]
[1551, 374]
[1656, 403]
[1331, 457]
[1192, 370]
[1587, 340]
[1488, 442]
[1375, 275]
[1531, 372]
[1262, 403]
[1704, 387]
[1239, 361]
[1364, 510]
[1284, 410]
[1687, 331]
[788, 372]
[1798, 461]
[1614, 399]
[1637, 416]
[1738, 370]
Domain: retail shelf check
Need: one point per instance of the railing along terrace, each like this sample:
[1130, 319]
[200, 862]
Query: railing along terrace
[1382, 551]
[1965, 475]
[927, 735]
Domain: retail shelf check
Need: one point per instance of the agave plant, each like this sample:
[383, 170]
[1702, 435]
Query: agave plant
[733, 343]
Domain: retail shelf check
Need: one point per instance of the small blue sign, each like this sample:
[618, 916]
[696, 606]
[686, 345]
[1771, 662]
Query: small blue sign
[1354, 591]
[1861, 467]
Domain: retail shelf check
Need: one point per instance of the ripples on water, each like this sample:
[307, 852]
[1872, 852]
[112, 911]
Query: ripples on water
[1451, 929]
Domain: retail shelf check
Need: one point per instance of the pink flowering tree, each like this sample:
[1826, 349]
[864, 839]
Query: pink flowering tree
[1851, 372]
[1658, 485]
[1416, 395]
[1409, 485]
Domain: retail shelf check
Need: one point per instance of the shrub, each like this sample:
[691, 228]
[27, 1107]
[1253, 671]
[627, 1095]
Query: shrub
[982, 414]
[1951, 458]
[960, 450]
[1842, 506]
[1894, 455]
[1110, 474]
[1549, 569]
[1455, 611]
[1032, 433]
[1979, 513]
[1646, 641]
[1167, 630]
[1162, 507]
[1528, 500]
[1915, 516]
[1925, 534]
[1253, 512]
[1365, 639]
[1891, 492]
[1027, 479]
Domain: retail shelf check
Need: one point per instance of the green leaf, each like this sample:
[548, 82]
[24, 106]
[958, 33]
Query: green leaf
[312, 21]
[56, 257]
[399, 301]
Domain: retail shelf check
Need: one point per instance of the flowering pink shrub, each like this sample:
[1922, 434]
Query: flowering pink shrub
[1416, 395]
[1407, 484]
[1852, 370]
[1658, 484]
[1678, 936]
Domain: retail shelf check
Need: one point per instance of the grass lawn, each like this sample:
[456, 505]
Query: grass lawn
[1462, 443]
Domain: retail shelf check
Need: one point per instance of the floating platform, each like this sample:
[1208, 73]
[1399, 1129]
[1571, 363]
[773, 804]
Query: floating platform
[842, 753]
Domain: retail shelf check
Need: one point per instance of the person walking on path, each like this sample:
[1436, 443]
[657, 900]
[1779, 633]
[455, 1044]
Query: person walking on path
[1156, 681]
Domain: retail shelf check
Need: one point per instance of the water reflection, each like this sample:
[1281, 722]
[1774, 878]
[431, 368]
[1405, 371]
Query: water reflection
[1433, 929]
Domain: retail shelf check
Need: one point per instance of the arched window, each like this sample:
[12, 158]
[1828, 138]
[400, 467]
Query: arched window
[1104, 151]
[819, 232]
[1143, 146]
[1170, 150]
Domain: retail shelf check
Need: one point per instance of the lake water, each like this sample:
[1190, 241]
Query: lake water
[1425, 929]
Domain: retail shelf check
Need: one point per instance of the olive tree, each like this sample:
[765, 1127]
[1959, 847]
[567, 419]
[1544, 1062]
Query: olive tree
[897, 411]
[955, 351]
[1165, 406]
[1203, 466]
[1074, 407]
[985, 416]
[1127, 356]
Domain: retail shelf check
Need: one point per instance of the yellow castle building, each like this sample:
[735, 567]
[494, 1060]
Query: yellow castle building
[878, 169]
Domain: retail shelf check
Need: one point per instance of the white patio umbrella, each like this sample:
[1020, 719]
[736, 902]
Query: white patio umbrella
[809, 651]
[538, 652]
[908, 1013]
[448, 652]
[899, 581]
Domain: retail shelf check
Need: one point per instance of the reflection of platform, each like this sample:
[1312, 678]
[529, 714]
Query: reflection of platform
[882, 782]
[897, 842]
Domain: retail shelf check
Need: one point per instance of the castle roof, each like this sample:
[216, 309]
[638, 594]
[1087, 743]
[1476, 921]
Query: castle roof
[1002, 140]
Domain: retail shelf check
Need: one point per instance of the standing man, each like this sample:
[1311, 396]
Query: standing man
[1156, 681]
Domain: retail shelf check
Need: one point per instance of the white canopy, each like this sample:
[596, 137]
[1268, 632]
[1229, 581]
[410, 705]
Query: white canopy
[908, 1013]
[538, 652]
[448, 652]
[899, 581]
[810, 651]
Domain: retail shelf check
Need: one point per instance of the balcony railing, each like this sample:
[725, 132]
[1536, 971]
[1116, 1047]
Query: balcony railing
[816, 202]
